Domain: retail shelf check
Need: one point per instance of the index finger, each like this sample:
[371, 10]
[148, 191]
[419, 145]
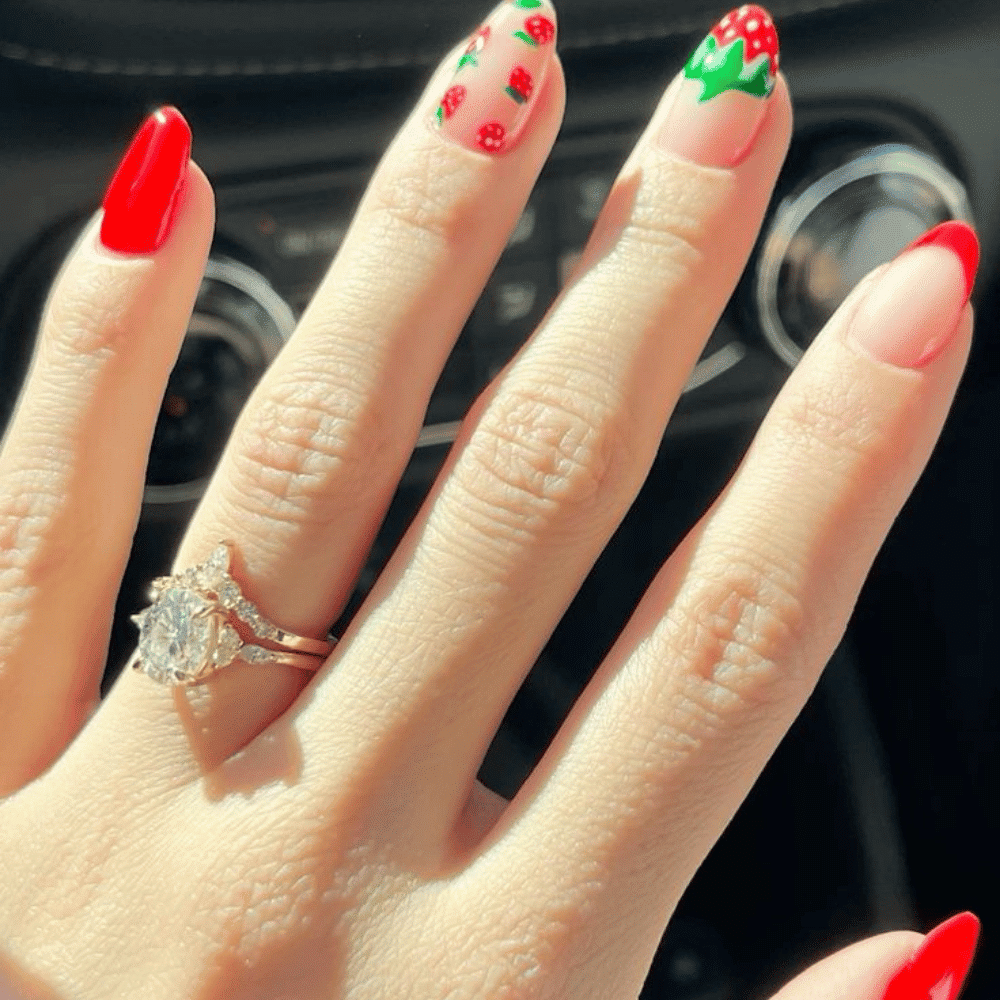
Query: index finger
[730, 640]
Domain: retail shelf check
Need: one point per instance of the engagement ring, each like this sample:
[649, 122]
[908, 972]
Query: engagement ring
[200, 622]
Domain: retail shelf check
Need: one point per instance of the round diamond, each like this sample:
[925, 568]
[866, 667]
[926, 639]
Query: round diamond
[175, 639]
[265, 630]
[218, 561]
[212, 571]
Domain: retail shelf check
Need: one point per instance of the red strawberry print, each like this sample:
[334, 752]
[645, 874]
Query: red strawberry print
[491, 136]
[754, 25]
[452, 100]
[520, 84]
[541, 29]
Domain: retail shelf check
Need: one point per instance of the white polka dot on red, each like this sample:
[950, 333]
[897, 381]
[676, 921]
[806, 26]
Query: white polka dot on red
[753, 24]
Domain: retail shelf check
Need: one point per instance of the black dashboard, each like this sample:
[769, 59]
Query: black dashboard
[880, 809]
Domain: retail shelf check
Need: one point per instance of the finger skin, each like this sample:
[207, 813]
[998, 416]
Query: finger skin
[731, 638]
[859, 972]
[72, 472]
[545, 468]
[318, 451]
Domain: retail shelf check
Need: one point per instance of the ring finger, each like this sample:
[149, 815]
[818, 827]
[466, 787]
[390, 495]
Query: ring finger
[320, 447]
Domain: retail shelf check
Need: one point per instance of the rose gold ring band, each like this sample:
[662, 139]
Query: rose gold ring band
[200, 622]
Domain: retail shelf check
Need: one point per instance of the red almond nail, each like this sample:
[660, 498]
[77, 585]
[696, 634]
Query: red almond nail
[142, 199]
[961, 239]
[938, 970]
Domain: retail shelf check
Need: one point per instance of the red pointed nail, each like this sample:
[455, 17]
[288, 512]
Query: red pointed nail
[938, 970]
[961, 239]
[141, 201]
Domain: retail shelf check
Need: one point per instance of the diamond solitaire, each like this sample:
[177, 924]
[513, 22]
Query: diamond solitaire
[199, 622]
[182, 636]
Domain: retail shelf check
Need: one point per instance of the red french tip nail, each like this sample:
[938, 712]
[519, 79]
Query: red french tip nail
[938, 970]
[142, 198]
[961, 239]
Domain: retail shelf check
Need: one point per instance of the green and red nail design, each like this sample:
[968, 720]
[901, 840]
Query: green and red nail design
[738, 57]
[451, 102]
[739, 53]
[537, 30]
[499, 76]
[520, 85]
[471, 55]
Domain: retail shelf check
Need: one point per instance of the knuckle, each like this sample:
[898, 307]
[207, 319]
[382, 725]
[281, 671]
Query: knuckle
[823, 417]
[92, 310]
[653, 234]
[542, 453]
[430, 194]
[734, 635]
[308, 449]
[677, 211]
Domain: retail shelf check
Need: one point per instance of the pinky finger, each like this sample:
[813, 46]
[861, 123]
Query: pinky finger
[899, 966]
[73, 461]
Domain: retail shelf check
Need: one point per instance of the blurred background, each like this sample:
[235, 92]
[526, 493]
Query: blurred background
[880, 809]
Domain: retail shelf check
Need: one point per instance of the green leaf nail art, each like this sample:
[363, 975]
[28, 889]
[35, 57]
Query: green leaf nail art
[529, 4]
[722, 69]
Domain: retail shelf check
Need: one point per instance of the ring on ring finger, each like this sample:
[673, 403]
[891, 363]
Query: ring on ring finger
[200, 622]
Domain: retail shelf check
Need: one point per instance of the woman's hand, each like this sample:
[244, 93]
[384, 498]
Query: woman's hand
[273, 834]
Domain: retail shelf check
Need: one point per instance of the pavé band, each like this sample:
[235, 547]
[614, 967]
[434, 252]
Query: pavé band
[200, 622]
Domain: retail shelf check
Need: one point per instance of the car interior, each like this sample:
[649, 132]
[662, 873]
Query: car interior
[879, 810]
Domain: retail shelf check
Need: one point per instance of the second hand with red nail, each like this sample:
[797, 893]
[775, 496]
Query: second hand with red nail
[939, 968]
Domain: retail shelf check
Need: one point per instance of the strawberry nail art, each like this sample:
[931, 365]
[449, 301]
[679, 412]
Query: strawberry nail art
[537, 30]
[739, 53]
[520, 85]
[498, 77]
[451, 102]
[471, 55]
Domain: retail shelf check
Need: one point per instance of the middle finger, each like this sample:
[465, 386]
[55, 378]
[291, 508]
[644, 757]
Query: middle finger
[551, 459]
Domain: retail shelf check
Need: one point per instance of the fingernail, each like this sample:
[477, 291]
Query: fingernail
[499, 76]
[938, 970]
[142, 198]
[961, 239]
[722, 97]
[911, 313]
